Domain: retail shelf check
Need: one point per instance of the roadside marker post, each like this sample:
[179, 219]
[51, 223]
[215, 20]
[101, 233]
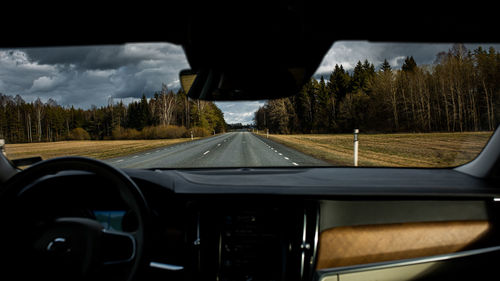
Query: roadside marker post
[356, 132]
[267, 134]
[191, 135]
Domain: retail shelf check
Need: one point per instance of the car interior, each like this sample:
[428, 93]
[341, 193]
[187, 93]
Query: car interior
[266, 223]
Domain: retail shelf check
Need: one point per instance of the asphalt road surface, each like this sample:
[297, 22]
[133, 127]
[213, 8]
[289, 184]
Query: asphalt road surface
[235, 149]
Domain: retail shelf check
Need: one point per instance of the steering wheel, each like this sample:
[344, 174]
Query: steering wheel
[68, 248]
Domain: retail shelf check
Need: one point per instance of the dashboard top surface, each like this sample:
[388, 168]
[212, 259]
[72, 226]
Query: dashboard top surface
[319, 181]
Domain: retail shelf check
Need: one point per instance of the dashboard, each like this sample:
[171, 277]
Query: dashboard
[206, 225]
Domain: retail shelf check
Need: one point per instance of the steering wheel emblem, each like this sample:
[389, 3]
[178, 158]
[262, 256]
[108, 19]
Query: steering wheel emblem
[58, 245]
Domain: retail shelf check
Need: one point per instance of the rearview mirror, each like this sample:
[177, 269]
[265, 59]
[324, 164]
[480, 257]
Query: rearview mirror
[217, 85]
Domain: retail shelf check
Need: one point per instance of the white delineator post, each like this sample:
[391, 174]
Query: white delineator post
[356, 132]
[191, 135]
[267, 133]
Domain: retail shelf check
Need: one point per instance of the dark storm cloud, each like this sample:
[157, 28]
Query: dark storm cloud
[60, 55]
[107, 57]
[82, 76]
[348, 53]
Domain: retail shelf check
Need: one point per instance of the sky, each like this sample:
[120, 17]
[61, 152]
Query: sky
[89, 75]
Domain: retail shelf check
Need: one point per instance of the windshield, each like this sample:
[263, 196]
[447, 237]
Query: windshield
[368, 104]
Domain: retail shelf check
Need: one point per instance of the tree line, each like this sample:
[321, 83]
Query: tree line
[459, 92]
[167, 114]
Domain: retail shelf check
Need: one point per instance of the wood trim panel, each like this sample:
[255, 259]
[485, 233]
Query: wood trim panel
[352, 245]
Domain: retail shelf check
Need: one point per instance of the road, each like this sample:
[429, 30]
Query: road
[235, 149]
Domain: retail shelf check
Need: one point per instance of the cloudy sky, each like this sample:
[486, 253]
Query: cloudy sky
[89, 75]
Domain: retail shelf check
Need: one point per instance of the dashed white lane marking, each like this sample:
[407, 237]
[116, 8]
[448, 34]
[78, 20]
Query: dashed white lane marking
[135, 156]
[281, 154]
[206, 152]
[158, 150]
[119, 161]
[147, 153]
[218, 144]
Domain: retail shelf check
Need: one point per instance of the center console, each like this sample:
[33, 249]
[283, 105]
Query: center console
[268, 241]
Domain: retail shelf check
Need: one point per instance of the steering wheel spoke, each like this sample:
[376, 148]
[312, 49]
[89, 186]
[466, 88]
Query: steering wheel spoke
[117, 247]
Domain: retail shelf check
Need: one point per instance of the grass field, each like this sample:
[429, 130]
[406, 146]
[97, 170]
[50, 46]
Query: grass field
[395, 150]
[94, 149]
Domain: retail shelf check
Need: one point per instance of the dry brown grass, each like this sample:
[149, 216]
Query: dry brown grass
[395, 150]
[94, 149]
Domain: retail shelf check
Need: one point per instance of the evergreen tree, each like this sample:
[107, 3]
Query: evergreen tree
[368, 68]
[363, 72]
[357, 78]
[386, 67]
[339, 81]
[409, 64]
[322, 108]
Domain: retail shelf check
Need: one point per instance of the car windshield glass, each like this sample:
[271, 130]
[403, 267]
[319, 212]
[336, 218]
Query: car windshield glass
[368, 104]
